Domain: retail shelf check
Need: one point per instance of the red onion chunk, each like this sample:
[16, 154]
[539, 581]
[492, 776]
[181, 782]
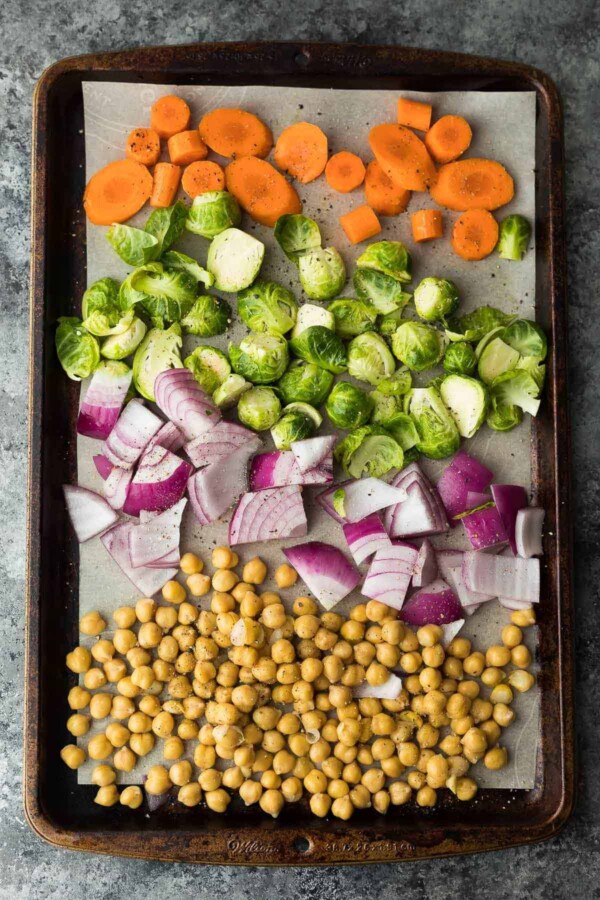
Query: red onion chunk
[325, 500]
[152, 540]
[484, 528]
[311, 452]
[502, 576]
[450, 568]
[131, 435]
[169, 437]
[412, 517]
[213, 489]
[463, 474]
[145, 579]
[268, 516]
[159, 483]
[450, 630]
[389, 690]
[509, 499]
[116, 486]
[389, 575]
[220, 442]
[426, 567]
[366, 537]
[528, 531]
[369, 495]
[475, 499]
[102, 403]
[325, 571]
[435, 604]
[89, 513]
[103, 466]
[279, 469]
[184, 403]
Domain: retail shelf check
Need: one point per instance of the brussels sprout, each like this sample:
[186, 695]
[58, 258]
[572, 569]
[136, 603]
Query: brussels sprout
[369, 358]
[384, 292]
[78, 350]
[397, 384]
[391, 322]
[533, 367]
[208, 316]
[438, 434]
[260, 358]
[390, 257]
[267, 307]
[459, 359]
[306, 409]
[417, 345]
[435, 299]
[211, 213]
[297, 234]
[234, 259]
[166, 224]
[475, 325]
[101, 312]
[515, 233]
[516, 388]
[526, 338]
[305, 382]
[370, 450]
[403, 430]
[496, 358]
[228, 393]
[503, 418]
[173, 259]
[309, 315]
[352, 317]
[467, 400]
[321, 346]
[160, 350]
[322, 273]
[119, 346]
[134, 245]
[294, 425]
[209, 366]
[348, 406]
[259, 408]
[385, 407]
[166, 295]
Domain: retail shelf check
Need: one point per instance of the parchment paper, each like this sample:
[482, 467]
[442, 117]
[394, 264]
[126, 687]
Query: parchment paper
[504, 129]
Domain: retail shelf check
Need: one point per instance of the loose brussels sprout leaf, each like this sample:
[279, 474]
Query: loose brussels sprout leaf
[533, 367]
[397, 384]
[497, 357]
[309, 315]
[475, 325]
[173, 259]
[160, 350]
[321, 346]
[234, 259]
[100, 309]
[135, 246]
[229, 393]
[307, 410]
[297, 234]
[467, 400]
[292, 426]
[390, 323]
[322, 273]
[166, 224]
[403, 430]
[417, 345]
[384, 292]
[385, 407]
[212, 213]
[435, 299]
[390, 257]
[97, 324]
[369, 358]
[438, 434]
[209, 366]
[485, 340]
[338, 501]
[516, 388]
[504, 418]
[370, 450]
[260, 358]
[119, 346]
[305, 382]
[267, 307]
[348, 406]
[352, 317]
[459, 359]
[166, 295]
[515, 232]
[208, 317]
[78, 350]
[526, 338]
[259, 408]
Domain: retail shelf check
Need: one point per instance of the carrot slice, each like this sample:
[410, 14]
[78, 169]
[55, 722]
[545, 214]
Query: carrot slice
[143, 146]
[473, 184]
[301, 150]
[360, 224]
[475, 234]
[426, 224]
[117, 192]
[169, 115]
[414, 114]
[166, 182]
[381, 193]
[448, 138]
[201, 177]
[403, 156]
[186, 147]
[235, 132]
[345, 171]
[261, 190]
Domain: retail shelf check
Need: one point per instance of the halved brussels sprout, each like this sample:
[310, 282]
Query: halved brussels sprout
[496, 358]
[160, 350]
[475, 325]
[369, 358]
[390, 323]
[435, 299]
[309, 315]
[352, 317]
[100, 309]
[503, 418]
[173, 259]
[166, 224]
[267, 307]
[370, 450]
[322, 273]
[516, 388]
[260, 358]
[397, 384]
[229, 393]
[467, 399]
[259, 408]
[403, 430]
[308, 410]
[297, 234]
[515, 233]
[438, 434]
[384, 292]
[321, 346]
[348, 406]
[166, 295]
[78, 351]
[417, 345]
[459, 359]
[305, 382]
[135, 246]
[209, 366]
[527, 338]
[390, 257]
[212, 213]
[234, 259]
[208, 316]
[294, 425]
[119, 346]
[385, 407]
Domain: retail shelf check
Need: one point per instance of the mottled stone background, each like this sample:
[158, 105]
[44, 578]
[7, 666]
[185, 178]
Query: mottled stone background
[561, 37]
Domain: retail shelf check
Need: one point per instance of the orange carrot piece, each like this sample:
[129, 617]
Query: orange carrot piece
[475, 234]
[381, 193]
[448, 138]
[301, 150]
[117, 192]
[360, 224]
[201, 177]
[473, 184]
[403, 156]
[166, 182]
[345, 171]
[261, 190]
[426, 224]
[143, 146]
[186, 147]
[414, 114]
[235, 133]
[169, 115]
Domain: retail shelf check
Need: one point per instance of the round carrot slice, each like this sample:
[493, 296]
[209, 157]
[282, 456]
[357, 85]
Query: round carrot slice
[261, 190]
[143, 146]
[301, 150]
[169, 115]
[234, 133]
[381, 193]
[117, 192]
[201, 177]
[475, 234]
[448, 138]
[345, 172]
[473, 184]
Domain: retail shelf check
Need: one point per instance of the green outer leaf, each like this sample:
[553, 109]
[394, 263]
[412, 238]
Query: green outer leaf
[260, 358]
[229, 393]
[321, 346]
[515, 234]
[78, 351]
[173, 259]
[370, 359]
[397, 384]
[435, 299]
[135, 246]
[119, 346]
[475, 325]
[390, 257]
[294, 425]
[102, 297]
[167, 224]
[527, 338]
[259, 408]
[517, 388]
[503, 417]
[209, 366]
[322, 273]
[98, 324]
[459, 359]
[297, 234]
[234, 259]
[385, 293]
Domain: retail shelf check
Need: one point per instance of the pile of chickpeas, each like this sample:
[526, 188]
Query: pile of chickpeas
[246, 698]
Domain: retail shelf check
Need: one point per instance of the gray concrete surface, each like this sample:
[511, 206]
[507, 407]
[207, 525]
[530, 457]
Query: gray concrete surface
[560, 36]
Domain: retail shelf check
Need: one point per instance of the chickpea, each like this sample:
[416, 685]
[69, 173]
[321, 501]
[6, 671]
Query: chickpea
[458, 705]
[100, 706]
[410, 662]
[99, 747]
[376, 611]
[122, 707]
[430, 678]
[117, 734]
[224, 580]
[273, 615]
[426, 796]
[103, 775]
[144, 610]
[497, 656]
[496, 758]
[452, 667]
[304, 606]
[124, 759]
[461, 724]
[149, 635]
[481, 710]
[373, 634]
[427, 735]
[150, 705]
[474, 663]
[107, 796]
[388, 655]
[190, 564]
[364, 653]
[416, 780]
[180, 773]
[502, 693]
[78, 724]
[429, 635]
[92, 624]
[342, 808]
[288, 724]
[492, 731]
[475, 741]
[73, 756]
[373, 780]
[409, 642]
[124, 639]
[319, 751]
[364, 755]
[400, 793]
[315, 782]
[503, 715]
[217, 800]
[94, 678]
[521, 681]
[520, 656]
[433, 656]
[468, 689]
[198, 585]
[523, 617]
[352, 631]
[79, 660]
[465, 788]
[224, 558]
[125, 616]
[139, 723]
[320, 804]
[137, 657]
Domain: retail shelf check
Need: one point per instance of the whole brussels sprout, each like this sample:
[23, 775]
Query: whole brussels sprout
[352, 317]
[369, 358]
[208, 316]
[348, 406]
[260, 358]
[515, 234]
[438, 434]
[322, 273]
[160, 350]
[296, 424]
[297, 234]
[435, 299]
[305, 382]
[267, 307]
[119, 346]
[259, 408]
[527, 338]
[321, 346]
[417, 345]
[165, 295]
[209, 366]
[370, 450]
[390, 257]
[213, 212]
[228, 393]
[382, 291]
[78, 351]
[459, 359]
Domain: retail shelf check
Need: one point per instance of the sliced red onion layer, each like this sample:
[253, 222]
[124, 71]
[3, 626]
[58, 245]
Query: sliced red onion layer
[169, 559]
[528, 531]
[153, 540]
[131, 435]
[184, 403]
[279, 468]
[463, 474]
[213, 489]
[145, 579]
[89, 513]
[451, 629]
[268, 515]
[450, 568]
[389, 690]
[159, 483]
[484, 528]
[325, 500]
[369, 495]
[389, 574]
[169, 437]
[475, 499]
[502, 576]
[366, 537]
[422, 513]
[103, 466]
[220, 442]
[509, 499]
[324, 569]
[426, 567]
[435, 604]
[116, 486]
[102, 403]
[311, 452]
